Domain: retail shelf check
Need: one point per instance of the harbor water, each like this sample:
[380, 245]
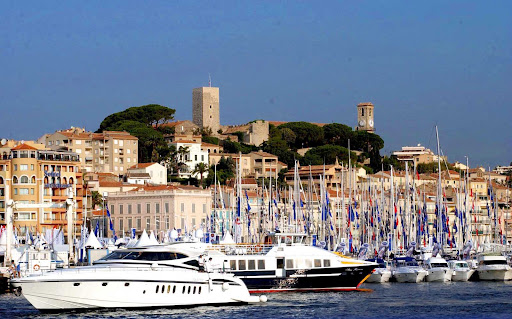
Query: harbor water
[390, 300]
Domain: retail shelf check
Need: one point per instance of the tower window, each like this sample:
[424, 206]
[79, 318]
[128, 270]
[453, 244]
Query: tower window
[210, 106]
[369, 112]
[362, 112]
[210, 116]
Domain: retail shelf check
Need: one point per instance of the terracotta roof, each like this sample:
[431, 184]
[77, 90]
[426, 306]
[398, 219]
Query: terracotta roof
[80, 136]
[185, 141]
[105, 183]
[142, 165]
[23, 147]
[113, 134]
[209, 144]
[263, 154]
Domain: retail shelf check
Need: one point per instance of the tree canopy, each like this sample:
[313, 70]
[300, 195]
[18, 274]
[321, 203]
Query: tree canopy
[143, 122]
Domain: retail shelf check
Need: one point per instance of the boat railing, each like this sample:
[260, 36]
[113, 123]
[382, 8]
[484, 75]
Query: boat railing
[241, 249]
[89, 269]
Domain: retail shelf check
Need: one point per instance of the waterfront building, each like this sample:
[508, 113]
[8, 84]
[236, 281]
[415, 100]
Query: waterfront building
[417, 154]
[159, 208]
[35, 176]
[189, 154]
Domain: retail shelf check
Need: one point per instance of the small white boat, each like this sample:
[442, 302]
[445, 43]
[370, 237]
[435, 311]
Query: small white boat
[381, 274]
[493, 268]
[407, 269]
[460, 270]
[438, 270]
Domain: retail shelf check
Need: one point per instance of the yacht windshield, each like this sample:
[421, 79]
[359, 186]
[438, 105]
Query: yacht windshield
[436, 265]
[494, 262]
[143, 255]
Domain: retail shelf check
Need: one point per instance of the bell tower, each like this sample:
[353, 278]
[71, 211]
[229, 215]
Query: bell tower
[365, 117]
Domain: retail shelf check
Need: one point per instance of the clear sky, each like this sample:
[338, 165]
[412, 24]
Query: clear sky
[71, 63]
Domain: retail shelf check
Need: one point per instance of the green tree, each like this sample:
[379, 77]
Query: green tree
[337, 134]
[151, 115]
[307, 134]
[225, 171]
[327, 154]
[200, 169]
[96, 200]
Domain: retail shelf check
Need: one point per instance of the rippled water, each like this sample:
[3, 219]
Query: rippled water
[392, 300]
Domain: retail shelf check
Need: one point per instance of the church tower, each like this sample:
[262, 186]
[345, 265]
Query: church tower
[205, 108]
[365, 117]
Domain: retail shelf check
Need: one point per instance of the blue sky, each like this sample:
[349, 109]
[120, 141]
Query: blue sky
[448, 63]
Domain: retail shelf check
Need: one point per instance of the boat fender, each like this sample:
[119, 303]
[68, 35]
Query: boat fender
[17, 291]
[225, 286]
[36, 267]
[263, 298]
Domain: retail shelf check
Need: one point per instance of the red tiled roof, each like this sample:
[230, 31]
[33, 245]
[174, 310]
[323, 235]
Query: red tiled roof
[142, 165]
[23, 147]
[185, 141]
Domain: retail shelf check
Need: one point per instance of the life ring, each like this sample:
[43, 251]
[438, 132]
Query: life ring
[36, 267]
[258, 248]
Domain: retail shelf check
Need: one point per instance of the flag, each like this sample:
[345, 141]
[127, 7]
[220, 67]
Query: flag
[248, 206]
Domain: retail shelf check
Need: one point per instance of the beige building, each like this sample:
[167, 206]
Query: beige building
[160, 208]
[254, 133]
[33, 176]
[110, 151]
[205, 108]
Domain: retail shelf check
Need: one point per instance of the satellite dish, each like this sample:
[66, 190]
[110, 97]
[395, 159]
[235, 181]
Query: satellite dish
[3, 141]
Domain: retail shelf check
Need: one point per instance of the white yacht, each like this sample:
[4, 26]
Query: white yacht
[407, 269]
[381, 274]
[493, 268]
[437, 270]
[155, 276]
[286, 263]
[461, 271]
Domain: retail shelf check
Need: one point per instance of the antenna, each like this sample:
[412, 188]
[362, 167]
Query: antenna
[209, 80]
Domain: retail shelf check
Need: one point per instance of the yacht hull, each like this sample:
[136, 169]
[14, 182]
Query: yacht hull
[324, 279]
[439, 275]
[462, 275]
[380, 275]
[494, 275]
[130, 289]
[410, 276]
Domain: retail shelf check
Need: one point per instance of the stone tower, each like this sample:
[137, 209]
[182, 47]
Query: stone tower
[205, 108]
[365, 117]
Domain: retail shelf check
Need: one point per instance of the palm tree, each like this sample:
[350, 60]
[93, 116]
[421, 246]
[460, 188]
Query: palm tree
[96, 200]
[200, 169]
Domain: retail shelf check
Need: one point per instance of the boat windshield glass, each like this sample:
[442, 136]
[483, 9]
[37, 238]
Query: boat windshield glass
[144, 255]
[494, 262]
[436, 265]
[461, 265]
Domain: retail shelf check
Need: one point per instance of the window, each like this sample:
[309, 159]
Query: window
[204, 208]
[121, 209]
[139, 224]
[112, 209]
[121, 228]
[139, 209]
[289, 263]
[251, 265]
[318, 263]
[24, 179]
[23, 191]
[195, 158]
[182, 207]
[362, 112]
[241, 265]
[78, 142]
[31, 167]
[261, 264]
[166, 208]
[157, 208]
[148, 208]
[148, 223]
[15, 167]
[232, 264]
[23, 167]
[129, 209]
[130, 224]
[193, 207]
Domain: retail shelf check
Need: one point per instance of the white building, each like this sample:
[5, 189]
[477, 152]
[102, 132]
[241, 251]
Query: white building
[417, 154]
[190, 153]
[144, 173]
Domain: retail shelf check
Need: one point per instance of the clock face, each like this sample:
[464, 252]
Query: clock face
[362, 123]
[370, 122]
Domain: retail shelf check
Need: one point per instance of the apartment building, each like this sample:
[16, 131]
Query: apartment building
[34, 176]
[109, 151]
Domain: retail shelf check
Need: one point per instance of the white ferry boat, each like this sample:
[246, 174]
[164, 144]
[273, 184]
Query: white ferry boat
[155, 276]
[286, 263]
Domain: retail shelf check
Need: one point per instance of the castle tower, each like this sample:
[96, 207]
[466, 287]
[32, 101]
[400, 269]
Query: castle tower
[205, 108]
[365, 117]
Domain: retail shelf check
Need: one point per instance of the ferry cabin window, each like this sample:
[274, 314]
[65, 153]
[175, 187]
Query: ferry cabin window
[289, 263]
[318, 263]
[241, 265]
[232, 264]
[309, 263]
[327, 263]
[261, 264]
[280, 263]
[146, 255]
[251, 264]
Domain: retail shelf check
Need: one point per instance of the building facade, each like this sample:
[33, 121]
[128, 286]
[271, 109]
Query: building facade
[32, 176]
[160, 208]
